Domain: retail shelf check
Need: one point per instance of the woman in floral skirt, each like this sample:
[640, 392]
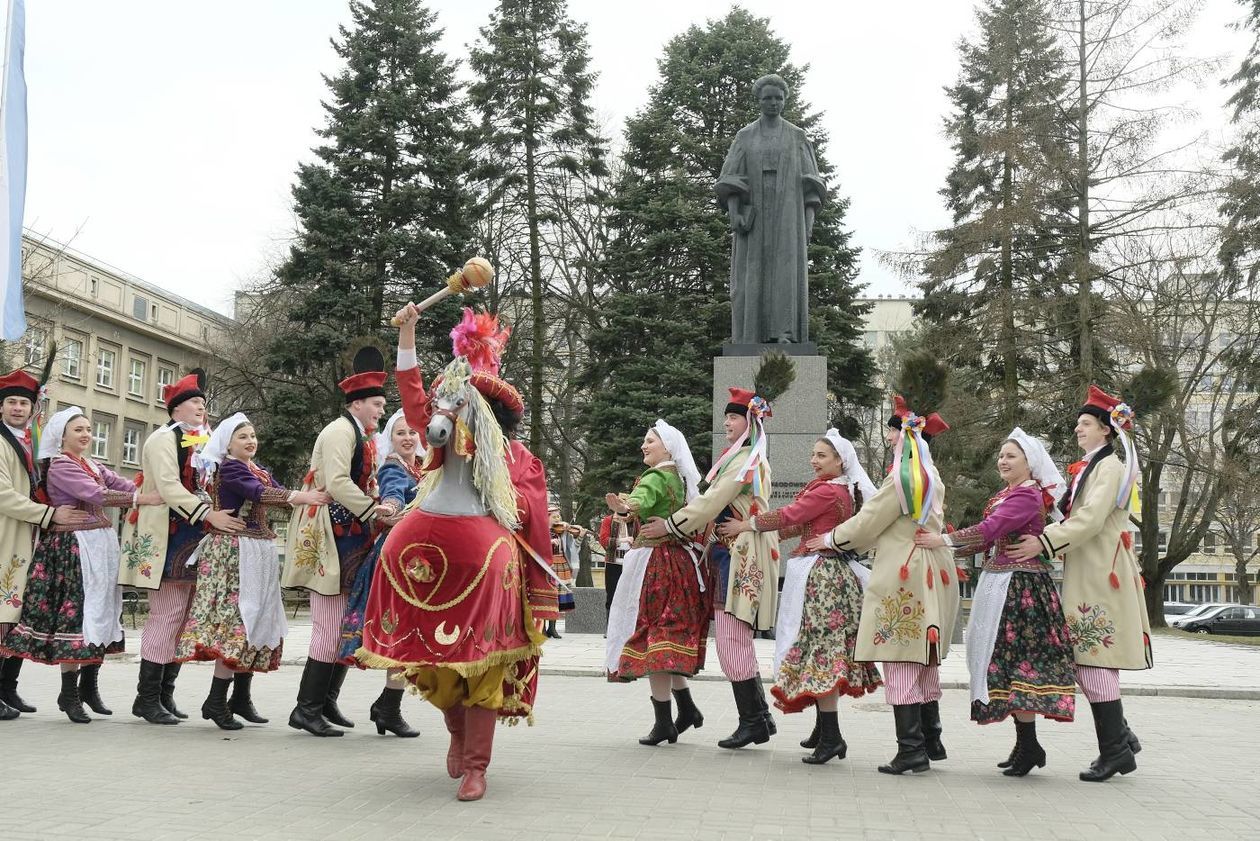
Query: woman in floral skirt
[818, 617]
[660, 614]
[397, 477]
[237, 614]
[72, 606]
[1019, 651]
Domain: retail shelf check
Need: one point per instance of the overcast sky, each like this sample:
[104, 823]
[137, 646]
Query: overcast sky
[164, 136]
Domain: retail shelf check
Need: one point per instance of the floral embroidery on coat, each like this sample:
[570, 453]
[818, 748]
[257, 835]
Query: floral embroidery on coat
[139, 553]
[1091, 629]
[9, 582]
[899, 618]
[310, 548]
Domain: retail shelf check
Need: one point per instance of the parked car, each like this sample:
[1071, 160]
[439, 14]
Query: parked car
[1234, 620]
[1176, 610]
[1198, 613]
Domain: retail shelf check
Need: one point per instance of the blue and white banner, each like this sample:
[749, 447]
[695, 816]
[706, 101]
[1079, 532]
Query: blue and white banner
[13, 170]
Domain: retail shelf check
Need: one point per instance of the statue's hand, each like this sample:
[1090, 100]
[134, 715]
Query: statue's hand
[809, 221]
[741, 222]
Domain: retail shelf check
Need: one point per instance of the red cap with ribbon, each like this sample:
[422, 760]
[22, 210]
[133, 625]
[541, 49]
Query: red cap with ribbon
[191, 385]
[19, 384]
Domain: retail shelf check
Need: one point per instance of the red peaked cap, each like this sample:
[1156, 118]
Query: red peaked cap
[367, 384]
[933, 424]
[740, 398]
[1099, 405]
[185, 388]
[19, 384]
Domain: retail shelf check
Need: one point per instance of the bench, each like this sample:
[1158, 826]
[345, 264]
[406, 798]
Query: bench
[133, 600]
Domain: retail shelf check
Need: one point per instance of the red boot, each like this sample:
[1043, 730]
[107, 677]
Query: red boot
[478, 742]
[455, 753]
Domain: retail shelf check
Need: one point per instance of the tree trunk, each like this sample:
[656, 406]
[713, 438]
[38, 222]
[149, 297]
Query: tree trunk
[536, 299]
[1083, 302]
[1008, 350]
[1155, 597]
[1241, 580]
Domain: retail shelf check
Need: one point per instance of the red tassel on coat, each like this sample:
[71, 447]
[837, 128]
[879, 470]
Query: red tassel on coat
[1115, 581]
[905, 571]
[961, 573]
[1126, 537]
[929, 579]
[309, 477]
[933, 635]
[945, 577]
[311, 509]
[134, 516]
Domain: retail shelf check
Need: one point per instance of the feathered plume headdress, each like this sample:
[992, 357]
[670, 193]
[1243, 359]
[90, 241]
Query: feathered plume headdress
[479, 339]
[923, 384]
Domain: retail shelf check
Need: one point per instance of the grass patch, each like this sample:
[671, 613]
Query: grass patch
[1175, 632]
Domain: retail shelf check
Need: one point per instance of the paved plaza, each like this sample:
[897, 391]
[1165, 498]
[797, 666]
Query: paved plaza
[580, 774]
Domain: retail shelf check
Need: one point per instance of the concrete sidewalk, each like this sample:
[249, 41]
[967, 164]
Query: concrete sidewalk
[1184, 668]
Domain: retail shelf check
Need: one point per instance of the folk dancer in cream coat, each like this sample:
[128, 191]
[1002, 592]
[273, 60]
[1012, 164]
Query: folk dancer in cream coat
[745, 570]
[159, 540]
[328, 544]
[911, 601]
[20, 516]
[1102, 582]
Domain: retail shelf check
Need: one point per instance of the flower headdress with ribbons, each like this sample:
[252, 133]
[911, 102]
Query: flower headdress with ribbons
[772, 379]
[912, 459]
[1119, 415]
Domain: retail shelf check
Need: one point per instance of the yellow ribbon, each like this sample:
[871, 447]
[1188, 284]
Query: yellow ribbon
[192, 440]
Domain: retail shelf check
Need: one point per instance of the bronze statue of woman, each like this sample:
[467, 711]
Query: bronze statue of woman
[771, 189]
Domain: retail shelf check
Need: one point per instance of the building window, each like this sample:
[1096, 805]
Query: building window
[74, 358]
[131, 445]
[100, 439]
[166, 376]
[105, 368]
[36, 338]
[140, 308]
[1209, 543]
[135, 378]
[870, 339]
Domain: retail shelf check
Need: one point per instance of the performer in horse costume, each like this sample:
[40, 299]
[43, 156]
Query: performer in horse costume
[463, 581]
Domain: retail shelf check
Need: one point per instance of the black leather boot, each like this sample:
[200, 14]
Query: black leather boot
[169, 672]
[89, 691]
[753, 728]
[68, 701]
[811, 741]
[241, 702]
[688, 713]
[148, 703]
[911, 753]
[215, 707]
[386, 714]
[771, 727]
[663, 729]
[1029, 753]
[7, 713]
[1132, 739]
[331, 712]
[830, 743]
[308, 715]
[8, 685]
[1006, 763]
[931, 713]
[1114, 754]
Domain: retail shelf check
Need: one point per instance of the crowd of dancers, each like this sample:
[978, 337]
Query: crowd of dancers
[426, 545]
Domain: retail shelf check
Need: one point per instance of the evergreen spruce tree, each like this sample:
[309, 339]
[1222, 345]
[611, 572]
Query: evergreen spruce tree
[1240, 246]
[383, 214]
[669, 252]
[536, 125]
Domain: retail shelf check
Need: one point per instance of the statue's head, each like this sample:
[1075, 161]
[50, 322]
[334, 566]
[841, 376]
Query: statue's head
[771, 93]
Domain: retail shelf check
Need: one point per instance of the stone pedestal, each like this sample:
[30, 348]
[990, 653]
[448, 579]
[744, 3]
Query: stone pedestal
[800, 419]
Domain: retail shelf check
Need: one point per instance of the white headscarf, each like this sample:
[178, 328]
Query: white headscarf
[211, 456]
[54, 430]
[385, 440]
[1044, 472]
[677, 447]
[854, 472]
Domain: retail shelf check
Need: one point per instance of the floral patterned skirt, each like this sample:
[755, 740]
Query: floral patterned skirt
[215, 629]
[672, 625]
[1032, 666]
[51, 628]
[821, 660]
[356, 603]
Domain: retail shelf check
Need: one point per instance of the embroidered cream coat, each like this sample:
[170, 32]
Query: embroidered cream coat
[19, 517]
[310, 555]
[1106, 616]
[912, 596]
[752, 588]
[144, 542]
